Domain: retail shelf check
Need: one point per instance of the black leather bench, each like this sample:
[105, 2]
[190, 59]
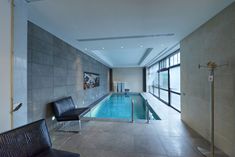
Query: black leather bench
[31, 140]
[65, 110]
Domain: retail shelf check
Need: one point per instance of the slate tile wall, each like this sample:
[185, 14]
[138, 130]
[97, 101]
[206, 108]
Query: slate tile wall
[55, 70]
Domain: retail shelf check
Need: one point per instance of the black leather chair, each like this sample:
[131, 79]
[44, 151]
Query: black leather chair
[31, 140]
[65, 110]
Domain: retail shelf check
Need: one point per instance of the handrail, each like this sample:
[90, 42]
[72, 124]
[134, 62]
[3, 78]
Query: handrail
[147, 110]
[19, 105]
[132, 110]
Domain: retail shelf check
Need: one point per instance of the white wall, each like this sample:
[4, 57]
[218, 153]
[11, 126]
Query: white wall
[5, 68]
[20, 61]
[214, 41]
[132, 76]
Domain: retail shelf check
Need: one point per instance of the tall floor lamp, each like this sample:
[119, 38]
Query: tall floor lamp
[211, 66]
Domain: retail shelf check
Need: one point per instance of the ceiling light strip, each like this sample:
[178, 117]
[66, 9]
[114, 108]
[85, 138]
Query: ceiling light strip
[29, 1]
[147, 52]
[126, 37]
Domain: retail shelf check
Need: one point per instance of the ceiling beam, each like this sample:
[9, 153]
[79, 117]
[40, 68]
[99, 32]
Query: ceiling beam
[145, 55]
[163, 54]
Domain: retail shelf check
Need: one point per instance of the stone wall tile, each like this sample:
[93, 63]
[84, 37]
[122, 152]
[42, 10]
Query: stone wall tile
[55, 70]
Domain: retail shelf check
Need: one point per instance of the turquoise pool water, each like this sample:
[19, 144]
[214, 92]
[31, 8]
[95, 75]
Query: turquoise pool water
[118, 106]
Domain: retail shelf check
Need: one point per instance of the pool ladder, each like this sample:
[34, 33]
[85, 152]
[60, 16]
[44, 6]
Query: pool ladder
[147, 110]
[132, 111]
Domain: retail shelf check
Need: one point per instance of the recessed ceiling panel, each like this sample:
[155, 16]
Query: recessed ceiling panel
[97, 19]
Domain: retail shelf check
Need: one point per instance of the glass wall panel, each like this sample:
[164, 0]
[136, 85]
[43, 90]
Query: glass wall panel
[155, 82]
[179, 57]
[156, 92]
[167, 62]
[175, 59]
[175, 101]
[163, 79]
[164, 95]
[171, 60]
[158, 80]
[175, 79]
[150, 88]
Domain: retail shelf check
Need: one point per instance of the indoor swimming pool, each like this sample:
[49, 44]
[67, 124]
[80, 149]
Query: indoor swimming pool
[119, 107]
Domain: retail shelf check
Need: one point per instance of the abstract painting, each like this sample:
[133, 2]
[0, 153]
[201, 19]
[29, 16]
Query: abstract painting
[91, 80]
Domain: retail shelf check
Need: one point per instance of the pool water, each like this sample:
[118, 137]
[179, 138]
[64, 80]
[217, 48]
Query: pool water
[118, 106]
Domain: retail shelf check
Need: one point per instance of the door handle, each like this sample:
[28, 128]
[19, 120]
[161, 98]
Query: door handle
[17, 107]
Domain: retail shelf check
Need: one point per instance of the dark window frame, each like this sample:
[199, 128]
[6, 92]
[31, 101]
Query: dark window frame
[163, 67]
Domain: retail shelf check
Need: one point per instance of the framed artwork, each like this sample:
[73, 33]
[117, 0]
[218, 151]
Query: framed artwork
[91, 80]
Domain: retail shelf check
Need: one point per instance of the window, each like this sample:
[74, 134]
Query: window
[164, 80]
[175, 79]
[175, 101]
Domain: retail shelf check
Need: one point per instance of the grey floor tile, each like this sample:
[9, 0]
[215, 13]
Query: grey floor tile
[165, 138]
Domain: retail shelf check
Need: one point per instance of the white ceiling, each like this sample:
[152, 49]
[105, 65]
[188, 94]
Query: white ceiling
[84, 19]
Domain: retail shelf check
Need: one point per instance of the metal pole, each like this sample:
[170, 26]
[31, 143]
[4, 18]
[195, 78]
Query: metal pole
[211, 66]
[211, 79]
[147, 111]
[132, 111]
[80, 126]
[147, 115]
[12, 62]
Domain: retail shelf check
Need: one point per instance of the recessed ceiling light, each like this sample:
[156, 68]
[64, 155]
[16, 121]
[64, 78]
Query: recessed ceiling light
[141, 46]
[86, 49]
[122, 47]
[103, 48]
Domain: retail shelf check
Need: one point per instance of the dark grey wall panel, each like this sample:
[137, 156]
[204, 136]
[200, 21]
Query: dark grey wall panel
[55, 70]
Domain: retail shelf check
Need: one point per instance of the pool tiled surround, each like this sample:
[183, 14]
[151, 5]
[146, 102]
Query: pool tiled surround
[168, 137]
[55, 70]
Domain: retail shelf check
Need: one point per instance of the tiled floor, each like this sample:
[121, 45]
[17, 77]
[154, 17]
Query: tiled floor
[168, 137]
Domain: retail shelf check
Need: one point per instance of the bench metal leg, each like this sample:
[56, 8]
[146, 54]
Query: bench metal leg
[80, 125]
[62, 129]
